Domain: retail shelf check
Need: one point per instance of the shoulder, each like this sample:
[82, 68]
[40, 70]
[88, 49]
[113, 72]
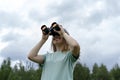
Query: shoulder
[71, 56]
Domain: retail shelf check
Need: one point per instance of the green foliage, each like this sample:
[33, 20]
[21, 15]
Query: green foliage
[81, 72]
[95, 72]
[100, 73]
[5, 69]
[19, 71]
[115, 72]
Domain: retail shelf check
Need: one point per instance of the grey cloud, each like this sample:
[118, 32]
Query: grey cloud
[104, 51]
[109, 60]
[37, 16]
[101, 51]
[112, 7]
[101, 44]
[11, 20]
[65, 11]
[70, 11]
[95, 18]
[18, 46]
[17, 50]
[11, 37]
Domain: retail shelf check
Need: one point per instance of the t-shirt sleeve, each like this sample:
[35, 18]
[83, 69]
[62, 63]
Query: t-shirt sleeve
[44, 59]
[71, 57]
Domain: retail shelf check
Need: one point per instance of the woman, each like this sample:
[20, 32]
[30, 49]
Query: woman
[58, 65]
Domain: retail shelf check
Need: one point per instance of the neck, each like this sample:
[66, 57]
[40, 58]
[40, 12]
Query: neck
[59, 47]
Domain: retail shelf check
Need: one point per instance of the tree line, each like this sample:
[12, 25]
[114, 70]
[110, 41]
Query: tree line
[81, 72]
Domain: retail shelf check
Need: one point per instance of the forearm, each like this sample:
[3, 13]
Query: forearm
[71, 42]
[35, 50]
[74, 46]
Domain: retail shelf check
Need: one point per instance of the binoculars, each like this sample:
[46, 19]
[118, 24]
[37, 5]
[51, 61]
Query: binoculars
[50, 30]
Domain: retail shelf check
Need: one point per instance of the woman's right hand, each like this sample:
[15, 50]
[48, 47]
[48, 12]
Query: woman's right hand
[45, 36]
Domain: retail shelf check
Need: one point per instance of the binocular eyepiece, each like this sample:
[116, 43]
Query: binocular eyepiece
[50, 30]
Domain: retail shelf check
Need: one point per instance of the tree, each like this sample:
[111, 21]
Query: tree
[5, 69]
[95, 72]
[81, 72]
[21, 72]
[103, 73]
[115, 72]
[100, 73]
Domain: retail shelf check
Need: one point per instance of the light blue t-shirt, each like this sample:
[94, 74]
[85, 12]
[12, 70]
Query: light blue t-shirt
[58, 66]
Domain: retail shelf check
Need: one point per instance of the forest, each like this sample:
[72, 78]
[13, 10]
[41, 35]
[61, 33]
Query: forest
[81, 72]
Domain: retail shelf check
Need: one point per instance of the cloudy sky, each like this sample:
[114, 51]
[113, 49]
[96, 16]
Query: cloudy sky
[95, 24]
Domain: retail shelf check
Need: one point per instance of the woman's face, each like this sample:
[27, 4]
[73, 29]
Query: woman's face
[57, 40]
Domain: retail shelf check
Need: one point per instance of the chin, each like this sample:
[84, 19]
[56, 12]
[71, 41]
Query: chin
[57, 43]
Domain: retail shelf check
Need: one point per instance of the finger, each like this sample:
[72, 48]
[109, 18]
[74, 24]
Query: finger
[55, 31]
[43, 33]
[49, 33]
[60, 25]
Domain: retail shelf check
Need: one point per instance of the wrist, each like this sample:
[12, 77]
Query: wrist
[43, 39]
[64, 34]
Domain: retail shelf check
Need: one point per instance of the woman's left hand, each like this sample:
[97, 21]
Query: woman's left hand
[61, 32]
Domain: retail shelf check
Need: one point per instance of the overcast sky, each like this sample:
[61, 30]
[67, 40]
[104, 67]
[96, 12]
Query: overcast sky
[95, 24]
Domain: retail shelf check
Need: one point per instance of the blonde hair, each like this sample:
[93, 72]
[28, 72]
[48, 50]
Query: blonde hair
[65, 45]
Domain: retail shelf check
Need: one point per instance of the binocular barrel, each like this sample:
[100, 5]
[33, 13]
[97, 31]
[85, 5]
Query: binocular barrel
[50, 30]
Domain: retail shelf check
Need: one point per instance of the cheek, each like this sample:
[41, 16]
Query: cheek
[58, 41]
[61, 41]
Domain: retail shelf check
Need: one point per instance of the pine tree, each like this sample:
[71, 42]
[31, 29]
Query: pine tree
[81, 72]
[5, 69]
[115, 72]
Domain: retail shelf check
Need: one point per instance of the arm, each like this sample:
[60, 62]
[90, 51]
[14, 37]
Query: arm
[33, 54]
[74, 46]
